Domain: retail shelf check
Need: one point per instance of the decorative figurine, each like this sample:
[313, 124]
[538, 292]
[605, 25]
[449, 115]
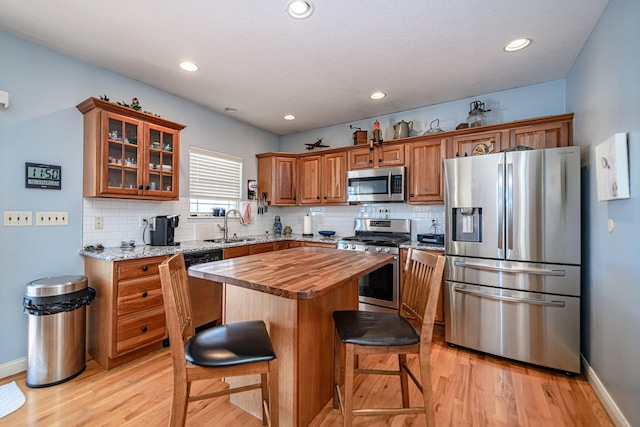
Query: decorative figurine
[377, 133]
[277, 226]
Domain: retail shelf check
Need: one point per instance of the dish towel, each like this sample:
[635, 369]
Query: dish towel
[11, 398]
[246, 212]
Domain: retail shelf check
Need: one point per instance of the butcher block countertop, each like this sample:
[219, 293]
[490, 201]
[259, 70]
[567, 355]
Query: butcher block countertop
[297, 273]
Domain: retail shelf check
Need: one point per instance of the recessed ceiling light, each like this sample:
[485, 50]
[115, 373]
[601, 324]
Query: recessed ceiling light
[517, 44]
[378, 95]
[289, 117]
[231, 110]
[189, 66]
[300, 9]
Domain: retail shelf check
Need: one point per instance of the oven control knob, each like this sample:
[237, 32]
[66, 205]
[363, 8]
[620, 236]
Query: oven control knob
[378, 249]
[365, 248]
[387, 250]
[353, 246]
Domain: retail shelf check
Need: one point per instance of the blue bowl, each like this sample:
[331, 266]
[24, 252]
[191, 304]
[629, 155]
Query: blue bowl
[327, 233]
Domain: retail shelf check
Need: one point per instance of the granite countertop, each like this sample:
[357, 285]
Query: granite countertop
[424, 246]
[147, 251]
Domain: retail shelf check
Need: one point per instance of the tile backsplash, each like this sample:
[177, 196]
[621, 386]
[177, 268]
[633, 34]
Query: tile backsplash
[121, 219]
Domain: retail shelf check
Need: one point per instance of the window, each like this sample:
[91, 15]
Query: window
[214, 181]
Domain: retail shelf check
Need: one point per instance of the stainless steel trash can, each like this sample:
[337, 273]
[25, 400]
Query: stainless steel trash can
[57, 320]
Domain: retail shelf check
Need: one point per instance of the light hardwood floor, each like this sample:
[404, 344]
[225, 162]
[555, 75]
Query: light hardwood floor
[471, 389]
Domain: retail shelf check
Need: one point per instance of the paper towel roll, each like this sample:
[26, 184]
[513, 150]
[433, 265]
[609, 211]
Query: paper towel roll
[306, 226]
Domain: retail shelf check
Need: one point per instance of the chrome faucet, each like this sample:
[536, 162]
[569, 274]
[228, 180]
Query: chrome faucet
[225, 228]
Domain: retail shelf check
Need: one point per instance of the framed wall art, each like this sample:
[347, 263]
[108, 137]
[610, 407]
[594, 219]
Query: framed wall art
[612, 168]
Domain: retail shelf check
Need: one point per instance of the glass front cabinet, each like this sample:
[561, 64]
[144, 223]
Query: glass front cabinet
[129, 154]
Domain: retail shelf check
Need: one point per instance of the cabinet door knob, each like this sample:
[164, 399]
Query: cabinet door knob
[325, 197]
[379, 160]
[410, 195]
[370, 161]
[317, 197]
[144, 294]
[143, 329]
[145, 267]
[140, 187]
[147, 187]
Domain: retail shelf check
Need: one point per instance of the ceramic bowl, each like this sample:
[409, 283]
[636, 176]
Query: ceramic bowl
[327, 233]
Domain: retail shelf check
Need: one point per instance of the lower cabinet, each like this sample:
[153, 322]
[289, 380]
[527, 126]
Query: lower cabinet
[126, 319]
[321, 245]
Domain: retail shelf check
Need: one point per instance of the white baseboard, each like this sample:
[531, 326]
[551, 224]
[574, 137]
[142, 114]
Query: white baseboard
[607, 402]
[13, 367]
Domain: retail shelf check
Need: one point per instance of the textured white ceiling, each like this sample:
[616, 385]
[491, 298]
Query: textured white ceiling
[255, 58]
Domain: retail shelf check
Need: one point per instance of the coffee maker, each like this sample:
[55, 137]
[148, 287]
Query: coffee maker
[163, 229]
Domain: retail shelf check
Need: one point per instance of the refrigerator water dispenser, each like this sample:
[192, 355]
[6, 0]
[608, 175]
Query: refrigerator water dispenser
[467, 224]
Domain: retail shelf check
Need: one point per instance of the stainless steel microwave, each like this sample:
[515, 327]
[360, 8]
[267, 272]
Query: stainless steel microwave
[376, 185]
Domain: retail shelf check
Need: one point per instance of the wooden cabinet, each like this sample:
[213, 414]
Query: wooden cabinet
[323, 179]
[542, 135]
[129, 154]
[322, 245]
[277, 177]
[126, 320]
[380, 156]
[425, 171]
[422, 155]
[464, 145]
[235, 252]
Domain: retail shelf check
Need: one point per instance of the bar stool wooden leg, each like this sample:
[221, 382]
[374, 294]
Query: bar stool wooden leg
[348, 384]
[404, 380]
[337, 345]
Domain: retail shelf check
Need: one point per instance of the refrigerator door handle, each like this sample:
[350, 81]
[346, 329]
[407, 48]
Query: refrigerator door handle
[540, 271]
[509, 201]
[510, 299]
[500, 206]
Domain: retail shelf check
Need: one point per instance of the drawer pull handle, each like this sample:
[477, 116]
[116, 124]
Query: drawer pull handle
[144, 294]
[145, 268]
[143, 329]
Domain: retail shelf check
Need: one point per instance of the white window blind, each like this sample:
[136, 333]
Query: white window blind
[213, 177]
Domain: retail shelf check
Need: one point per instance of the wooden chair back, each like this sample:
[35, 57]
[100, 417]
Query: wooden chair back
[419, 300]
[177, 304]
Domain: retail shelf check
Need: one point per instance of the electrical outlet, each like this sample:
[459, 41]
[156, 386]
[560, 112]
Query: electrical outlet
[98, 223]
[17, 218]
[52, 218]
[142, 222]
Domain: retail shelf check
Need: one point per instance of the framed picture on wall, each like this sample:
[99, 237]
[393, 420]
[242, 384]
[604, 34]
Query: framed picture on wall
[612, 168]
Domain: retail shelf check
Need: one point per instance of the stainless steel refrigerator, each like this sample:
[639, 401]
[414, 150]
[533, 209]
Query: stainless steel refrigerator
[513, 255]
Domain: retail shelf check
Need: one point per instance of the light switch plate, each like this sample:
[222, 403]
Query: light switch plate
[17, 218]
[52, 218]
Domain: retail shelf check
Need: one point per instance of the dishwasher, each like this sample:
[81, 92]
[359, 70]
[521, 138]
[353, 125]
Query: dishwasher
[206, 296]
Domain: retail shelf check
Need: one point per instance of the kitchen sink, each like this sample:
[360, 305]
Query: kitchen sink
[231, 240]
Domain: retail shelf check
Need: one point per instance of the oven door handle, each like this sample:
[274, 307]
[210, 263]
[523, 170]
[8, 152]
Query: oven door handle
[540, 271]
[509, 299]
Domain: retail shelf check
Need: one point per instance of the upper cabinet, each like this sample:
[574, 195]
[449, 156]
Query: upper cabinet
[321, 176]
[129, 154]
[323, 179]
[485, 142]
[424, 170]
[381, 156]
[277, 177]
[556, 133]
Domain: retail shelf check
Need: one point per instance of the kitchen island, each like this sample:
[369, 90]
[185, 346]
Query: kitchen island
[295, 292]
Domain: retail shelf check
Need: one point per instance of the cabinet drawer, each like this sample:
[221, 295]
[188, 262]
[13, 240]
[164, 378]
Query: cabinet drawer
[139, 294]
[139, 330]
[139, 267]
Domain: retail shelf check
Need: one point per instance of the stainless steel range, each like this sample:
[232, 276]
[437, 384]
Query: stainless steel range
[380, 289]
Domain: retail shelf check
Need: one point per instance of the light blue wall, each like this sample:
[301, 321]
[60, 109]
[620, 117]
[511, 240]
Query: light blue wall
[603, 89]
[543, 99]
[42, 125]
